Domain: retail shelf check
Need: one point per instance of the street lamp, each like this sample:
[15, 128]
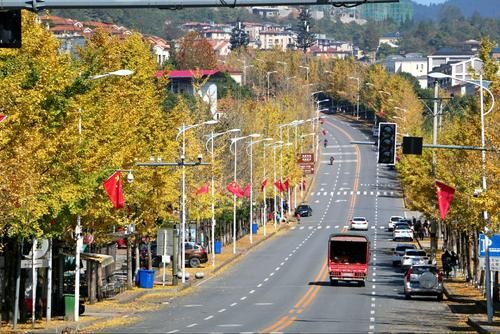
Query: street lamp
[438, 75]
[182, 131]
[307, 71]
[302, 175]
[211, 139]
[274, 178]
[235, 141]
[357, 103]
[78, 228]
[268, 74]
[250, 145]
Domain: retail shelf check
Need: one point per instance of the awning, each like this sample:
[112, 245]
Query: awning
[103, 259]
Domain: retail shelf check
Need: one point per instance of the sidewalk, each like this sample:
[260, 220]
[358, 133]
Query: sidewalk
[124, 308]
[464, 298]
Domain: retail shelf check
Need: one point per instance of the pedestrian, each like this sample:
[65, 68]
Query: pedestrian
[426, 228]
[454, 264]
[446, 263]
[418, 229]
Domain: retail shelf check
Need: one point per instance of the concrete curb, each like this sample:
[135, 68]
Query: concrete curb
[480, 325]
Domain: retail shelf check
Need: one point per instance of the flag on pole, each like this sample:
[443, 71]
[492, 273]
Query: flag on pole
[263, 184]
[202, 190]
[247, 190]
[445, 195]
[113, 186]
[235, 189]
[2, 117]
[286, 185]
[279, 186]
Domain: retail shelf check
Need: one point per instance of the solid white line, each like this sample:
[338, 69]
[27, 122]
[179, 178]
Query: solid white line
[263, 304]
[192, 325]
[209, 317]
[174, 331]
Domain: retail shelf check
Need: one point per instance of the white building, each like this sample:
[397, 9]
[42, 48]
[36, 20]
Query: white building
[413, 63]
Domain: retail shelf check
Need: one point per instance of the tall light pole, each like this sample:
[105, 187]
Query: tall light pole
[437, 75]
[307, 71]
[234, 142]
[264, 190]
[268, 74]
[211, 139]
[250, 146]
[78, 227]
[302, 175]
[182, 131]
[357, 102]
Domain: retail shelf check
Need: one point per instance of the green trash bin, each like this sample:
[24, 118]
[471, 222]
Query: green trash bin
[69, 307]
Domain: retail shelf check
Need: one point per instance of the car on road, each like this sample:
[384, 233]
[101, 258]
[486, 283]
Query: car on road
[402, 231]
[359, 223]
[195, 254]
[413, 257]
[303, 210]
[423, 280]
[393, 220]
[399, 251]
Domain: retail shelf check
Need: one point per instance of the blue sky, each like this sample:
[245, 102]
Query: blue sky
[428, 2]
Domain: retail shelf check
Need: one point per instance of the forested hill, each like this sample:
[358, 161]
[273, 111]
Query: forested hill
[485, 8]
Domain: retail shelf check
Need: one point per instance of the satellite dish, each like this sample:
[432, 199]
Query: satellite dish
[42, 246]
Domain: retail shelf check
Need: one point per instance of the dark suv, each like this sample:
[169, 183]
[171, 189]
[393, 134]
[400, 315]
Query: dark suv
[195, 254]
[303, 210]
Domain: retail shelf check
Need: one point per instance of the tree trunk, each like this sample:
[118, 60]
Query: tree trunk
[129, 265]
[150, 258]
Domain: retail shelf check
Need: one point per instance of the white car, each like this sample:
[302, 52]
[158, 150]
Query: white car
[359, 223]
[399, 251]
[402, 232]
[393, 220]
[413, 257]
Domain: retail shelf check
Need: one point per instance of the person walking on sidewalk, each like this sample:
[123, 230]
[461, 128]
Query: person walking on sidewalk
[446, 262]
[454, 264]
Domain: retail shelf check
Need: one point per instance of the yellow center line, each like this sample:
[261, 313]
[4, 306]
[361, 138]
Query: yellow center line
[322, 275]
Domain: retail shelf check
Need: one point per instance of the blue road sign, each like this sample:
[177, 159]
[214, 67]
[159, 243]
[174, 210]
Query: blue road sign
[494, 245]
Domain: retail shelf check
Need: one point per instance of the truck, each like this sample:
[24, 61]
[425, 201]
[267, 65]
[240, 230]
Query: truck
[348, 258]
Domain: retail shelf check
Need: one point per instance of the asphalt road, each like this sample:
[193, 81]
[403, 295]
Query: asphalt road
[283, 285]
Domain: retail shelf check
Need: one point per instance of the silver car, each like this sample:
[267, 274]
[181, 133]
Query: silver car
[423, 280]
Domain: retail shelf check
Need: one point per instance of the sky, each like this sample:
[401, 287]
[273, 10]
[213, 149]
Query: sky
[428, 2]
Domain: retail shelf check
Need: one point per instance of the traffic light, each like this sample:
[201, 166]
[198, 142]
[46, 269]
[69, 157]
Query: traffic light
[10, 28]
[387, 143]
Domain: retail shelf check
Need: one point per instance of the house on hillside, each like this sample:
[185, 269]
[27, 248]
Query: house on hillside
[412, 63]
[391, 39]
[446, 55]
[182, 82]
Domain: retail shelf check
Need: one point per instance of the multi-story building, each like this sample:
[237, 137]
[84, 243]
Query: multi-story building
[446, 55]
[412, 63]
[399, 12]
[466, 70]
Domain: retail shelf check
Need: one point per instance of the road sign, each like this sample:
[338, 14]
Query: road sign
[165, 242]
[307, 167]
[494, 245]
[494, 263]
[40, 263]
[306, 158]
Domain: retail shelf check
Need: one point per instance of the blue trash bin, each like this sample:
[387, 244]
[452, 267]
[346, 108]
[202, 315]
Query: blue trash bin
[218, 247]
[146, 278]
[255, 227]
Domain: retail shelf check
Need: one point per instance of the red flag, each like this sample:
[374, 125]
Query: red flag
[445, 195]
[113, 186]
[2, 117]
[279, 185]
[247, 190]
[263, 185]
[202, 190]
[235, 189]
[286, 185]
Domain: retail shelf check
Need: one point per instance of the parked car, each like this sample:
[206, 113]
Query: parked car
[359, 223]
[392, 221]
[399, 251]
[413, 257]
[195, 254]
[423, 280]
[304, 210]
[402, 231]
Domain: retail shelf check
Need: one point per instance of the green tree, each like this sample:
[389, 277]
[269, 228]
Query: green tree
[305, 37]
[239, 37]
